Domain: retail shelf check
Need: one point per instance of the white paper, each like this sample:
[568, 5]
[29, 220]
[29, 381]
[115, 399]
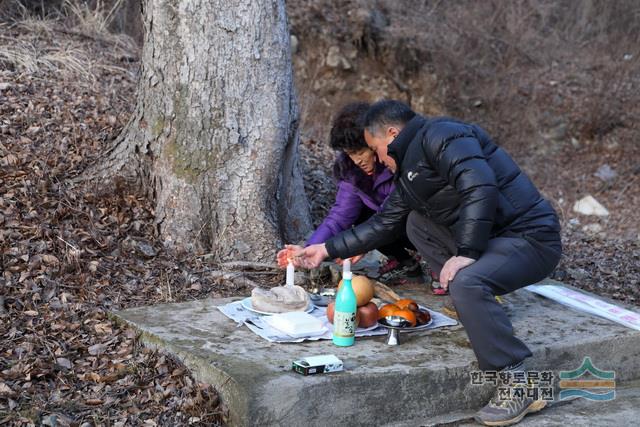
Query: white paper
[589, 304]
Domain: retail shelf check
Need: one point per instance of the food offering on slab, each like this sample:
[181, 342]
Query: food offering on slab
[403, 315]
[281, 299]
[367, 311]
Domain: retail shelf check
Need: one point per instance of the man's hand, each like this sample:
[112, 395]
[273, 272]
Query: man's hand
[309, 257]
[451, 268]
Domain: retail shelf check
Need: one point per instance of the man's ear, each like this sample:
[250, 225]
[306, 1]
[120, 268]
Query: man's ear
[393, 131]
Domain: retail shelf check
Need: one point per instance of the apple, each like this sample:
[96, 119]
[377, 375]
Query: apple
[368, 315]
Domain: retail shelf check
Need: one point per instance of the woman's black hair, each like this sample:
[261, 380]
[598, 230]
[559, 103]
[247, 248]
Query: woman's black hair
[347, 134]
[347, 128]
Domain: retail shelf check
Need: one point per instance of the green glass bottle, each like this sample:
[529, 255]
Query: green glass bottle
[344, 317]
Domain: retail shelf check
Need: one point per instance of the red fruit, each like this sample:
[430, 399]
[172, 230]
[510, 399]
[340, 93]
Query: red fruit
[368, 315]
[330, 310]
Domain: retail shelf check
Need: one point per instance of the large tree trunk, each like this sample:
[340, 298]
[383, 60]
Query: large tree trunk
[214, 135]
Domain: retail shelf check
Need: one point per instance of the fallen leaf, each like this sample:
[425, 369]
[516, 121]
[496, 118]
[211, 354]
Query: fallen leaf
[50, 260]
[97, 349]
[5, 390]
[64, 362]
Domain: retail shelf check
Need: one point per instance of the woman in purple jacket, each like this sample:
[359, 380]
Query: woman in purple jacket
[363, 185]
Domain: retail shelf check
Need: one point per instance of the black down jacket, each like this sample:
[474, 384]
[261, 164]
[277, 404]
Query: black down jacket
[453, 173]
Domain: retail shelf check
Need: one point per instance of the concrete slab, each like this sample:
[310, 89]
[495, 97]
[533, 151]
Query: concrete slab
[427, 376]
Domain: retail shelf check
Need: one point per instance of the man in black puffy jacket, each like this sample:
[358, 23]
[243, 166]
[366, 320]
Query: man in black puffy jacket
[474, 216]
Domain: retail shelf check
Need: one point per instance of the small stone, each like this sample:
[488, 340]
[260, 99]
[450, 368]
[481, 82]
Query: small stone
[556, 133]
[612, 145]
[146, 249]
[293, 40]
[64, 362]
[97, 349]
[4, 85]
[606, 173]
[592, 228]
[50, 420]
[577, 273]
[335, 59]
[590, 206]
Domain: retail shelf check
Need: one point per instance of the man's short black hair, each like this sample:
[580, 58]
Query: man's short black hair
[385, 113]
[347, 128]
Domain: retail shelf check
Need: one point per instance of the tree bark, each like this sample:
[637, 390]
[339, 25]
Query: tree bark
[214, 136]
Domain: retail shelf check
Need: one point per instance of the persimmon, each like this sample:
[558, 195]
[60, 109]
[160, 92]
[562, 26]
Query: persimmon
[407, 315]
[387, 310]
[423, 317]
[407, 303]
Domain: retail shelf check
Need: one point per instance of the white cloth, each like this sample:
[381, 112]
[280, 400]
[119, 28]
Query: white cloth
[588, 303]
[242, 316]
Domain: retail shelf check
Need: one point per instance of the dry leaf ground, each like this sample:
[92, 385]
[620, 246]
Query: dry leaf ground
[69, 253]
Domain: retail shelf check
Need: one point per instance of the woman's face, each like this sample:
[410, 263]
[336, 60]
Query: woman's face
[364, 158]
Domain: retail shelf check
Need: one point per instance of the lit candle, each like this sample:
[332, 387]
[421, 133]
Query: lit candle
[290, 274]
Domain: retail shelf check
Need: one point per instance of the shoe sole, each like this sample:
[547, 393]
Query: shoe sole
[535, 406]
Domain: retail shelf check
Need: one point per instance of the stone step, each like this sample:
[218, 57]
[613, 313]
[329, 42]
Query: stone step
[425, 377]
[622, 411]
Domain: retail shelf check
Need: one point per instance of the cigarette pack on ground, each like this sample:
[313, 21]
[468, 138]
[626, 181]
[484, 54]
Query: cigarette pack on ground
[318, 365]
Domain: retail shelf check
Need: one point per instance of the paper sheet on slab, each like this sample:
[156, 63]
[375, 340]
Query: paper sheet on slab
[589, 304]
[241, 315]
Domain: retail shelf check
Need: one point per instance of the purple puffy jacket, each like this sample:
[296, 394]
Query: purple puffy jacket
[355, 192]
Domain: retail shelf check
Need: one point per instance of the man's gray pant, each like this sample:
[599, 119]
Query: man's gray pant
[507, 264]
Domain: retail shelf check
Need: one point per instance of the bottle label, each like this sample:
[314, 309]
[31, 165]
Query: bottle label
[344, 324]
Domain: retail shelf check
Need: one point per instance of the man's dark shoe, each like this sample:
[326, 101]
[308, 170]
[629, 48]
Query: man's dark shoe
[505, 411]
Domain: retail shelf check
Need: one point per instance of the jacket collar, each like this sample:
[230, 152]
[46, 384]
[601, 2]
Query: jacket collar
[382, 175]
[398, 148]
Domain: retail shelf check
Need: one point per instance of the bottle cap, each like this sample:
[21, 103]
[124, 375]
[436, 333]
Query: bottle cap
[346, 265]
